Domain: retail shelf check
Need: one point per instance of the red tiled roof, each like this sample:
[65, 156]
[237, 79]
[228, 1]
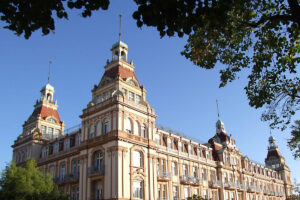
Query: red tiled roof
[121, 71]
[45, 112]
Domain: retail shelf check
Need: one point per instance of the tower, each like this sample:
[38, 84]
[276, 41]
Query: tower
[276, 161]
[118, 124]
[43, 124]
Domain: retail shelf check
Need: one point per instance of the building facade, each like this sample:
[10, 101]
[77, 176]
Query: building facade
[119, 152]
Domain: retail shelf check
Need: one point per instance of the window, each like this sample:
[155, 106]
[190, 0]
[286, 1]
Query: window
[105, 96]
[175, 192]
[195, 171]
[56, 147]
[131, 96]
[91, 131]
[79, 139]
[98, 192]
[164, 191]
[75, 193]
[43, 130]
[186, 193]
[174, 168]
[132, 82]
[143, 131]
[175, 144]
[57, 133]
[62, 171]
[128, 125]
[98, 160]
[50, 132]
[184, 170]
[138, 99]
[163, 165]
[98, 129]
[99, 99]
[204, 174]
[137, 159]
[105, 126]
[51, 120]
[137, 189]
[67, 143]
[185, 148]
[136, 128]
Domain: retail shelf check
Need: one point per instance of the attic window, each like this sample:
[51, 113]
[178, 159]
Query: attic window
[132, 82]
[51, 120]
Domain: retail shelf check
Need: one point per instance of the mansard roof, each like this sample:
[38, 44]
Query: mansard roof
[45, 112]
[121, 71]
[273, 153]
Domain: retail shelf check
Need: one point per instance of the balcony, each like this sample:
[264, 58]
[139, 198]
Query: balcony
[190, 180]
[230, 186]
[241, 187]
[164, 175]
[60, 180]
[251, 188]
[196, 181]
[72, 177]
[96, 171]
[215, 184]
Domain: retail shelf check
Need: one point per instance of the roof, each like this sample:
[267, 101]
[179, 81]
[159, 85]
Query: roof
[121, 71]
[48, 87]
[45, 112]
[120, 43]
[273, 153]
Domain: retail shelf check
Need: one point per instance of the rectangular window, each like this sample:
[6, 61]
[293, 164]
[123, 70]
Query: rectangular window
[50, 132]
[105, 96]
[78, 139]
[57, 133]
[137, 189]
[43, 130]
[164, 191]
[67, 143]
[131, 96]
[56, 147]
[175, 192]
[174, 168]
[184, 170]
[138, 99]
[62, 171]
[99, 99]
[195, 171]
[186, 193]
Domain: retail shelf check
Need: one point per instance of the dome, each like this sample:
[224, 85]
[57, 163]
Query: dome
[271, 138]
[219, 123]
[48, 87]
[120, 43]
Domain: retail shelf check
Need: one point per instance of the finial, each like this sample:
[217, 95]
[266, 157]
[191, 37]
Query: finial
[120, 27]
[50, 62]
[218, 109]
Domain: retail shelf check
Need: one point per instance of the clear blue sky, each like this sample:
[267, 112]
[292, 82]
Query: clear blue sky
[183, 95]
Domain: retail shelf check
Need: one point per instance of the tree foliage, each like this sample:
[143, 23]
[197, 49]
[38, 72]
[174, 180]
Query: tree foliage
[257, 36]
[195, 197]
[27, 183]
[294, 142]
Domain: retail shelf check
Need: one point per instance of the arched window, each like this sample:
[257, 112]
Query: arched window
[105, 126]
[143, 131]
[98, 129]
[137, 159]
[128, 125]
[136, 128]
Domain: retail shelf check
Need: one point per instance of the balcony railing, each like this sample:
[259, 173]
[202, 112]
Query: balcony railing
[191, 180]
[231, 185]
[242, 187]
[215, 184]
[161, 174]
[72, 177]
[251, 188]
[96, 170]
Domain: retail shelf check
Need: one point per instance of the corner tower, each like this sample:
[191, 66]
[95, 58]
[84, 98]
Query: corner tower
[43, 124]
[118, 123]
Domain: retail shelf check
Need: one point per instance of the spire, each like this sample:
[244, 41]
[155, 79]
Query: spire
[120, 31]
[220, 126]
[218, 108]
[50, 63]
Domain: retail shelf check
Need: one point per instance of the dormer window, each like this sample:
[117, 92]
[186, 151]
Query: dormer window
[132, 82]
[52, 120]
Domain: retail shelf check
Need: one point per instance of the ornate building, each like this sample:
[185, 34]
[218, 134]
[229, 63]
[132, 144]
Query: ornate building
[118, 151]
